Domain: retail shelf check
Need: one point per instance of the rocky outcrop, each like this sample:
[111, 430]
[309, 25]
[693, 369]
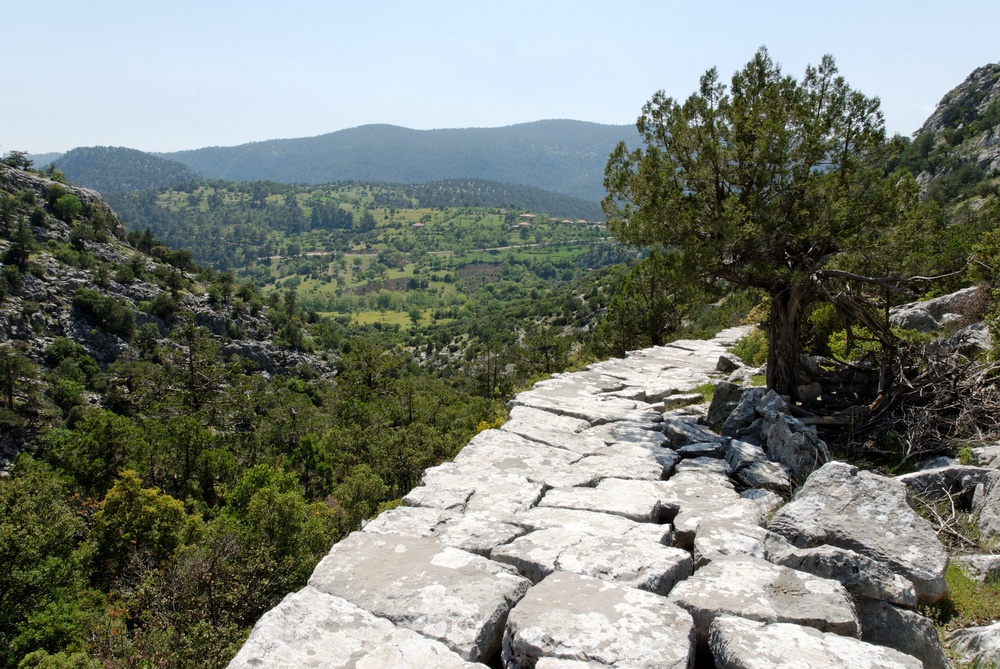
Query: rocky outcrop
[848, 508]
[601, 528]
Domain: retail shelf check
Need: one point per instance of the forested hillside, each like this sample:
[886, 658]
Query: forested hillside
[114, 169]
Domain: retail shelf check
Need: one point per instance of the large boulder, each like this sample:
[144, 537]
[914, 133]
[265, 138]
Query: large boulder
[842, 506]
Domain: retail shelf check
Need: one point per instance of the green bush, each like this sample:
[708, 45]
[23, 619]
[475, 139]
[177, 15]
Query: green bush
[67, 207]
[752, 349]
[111, 315]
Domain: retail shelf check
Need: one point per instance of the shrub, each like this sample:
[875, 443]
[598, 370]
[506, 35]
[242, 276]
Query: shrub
[752, 349]
[111, 315]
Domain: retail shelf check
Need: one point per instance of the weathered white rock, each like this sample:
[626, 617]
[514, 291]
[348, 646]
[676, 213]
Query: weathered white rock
[514, 455]
[977, 646]
[666, 458]
[585, 522]
[310, 628]
[929, 315]
[987, 456]
[630, 560]
[622, 466]
[473, 533]
[578, 618]
[907, 631]
[472, 488]
[862, 576]
[682, 399]
[842, 506]
[758, 590]
[567, 399]
[553, 430]
[979, 567]
[688, 498]
[635, 500]
[451, 595]
[767, 501]
[737, 643]
[547, 420]
[715, 538]
[628, 432]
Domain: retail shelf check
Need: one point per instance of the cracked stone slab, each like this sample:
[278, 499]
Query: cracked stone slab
[758, 590]
[863, 577]
[310, 628]
[709, 449]
[591, 522]
[577, 618]
[628, 432]
[635, 500]
[767, 501]
[569, 400]
[665, 457]
[630, 560]
[688, 498]
[552, 430]
[548, 419]
[622, 466]
[451, 595]
[473, 533]
[513, 454]
[475, 490]
[737, 643]
[843, 506]
[714, 538]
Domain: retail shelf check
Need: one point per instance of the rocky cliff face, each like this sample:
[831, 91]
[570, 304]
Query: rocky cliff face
[68, 270]
[964, 130]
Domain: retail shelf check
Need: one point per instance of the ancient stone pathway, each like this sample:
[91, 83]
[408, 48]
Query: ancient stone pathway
[601, 526]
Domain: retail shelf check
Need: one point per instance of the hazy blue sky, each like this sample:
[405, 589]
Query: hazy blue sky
[164, 76]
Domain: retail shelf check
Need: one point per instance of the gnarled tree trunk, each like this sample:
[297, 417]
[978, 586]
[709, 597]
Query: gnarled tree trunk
[788, 303]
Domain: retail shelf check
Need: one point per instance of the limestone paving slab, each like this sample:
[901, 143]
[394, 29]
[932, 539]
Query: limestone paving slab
[578, 618]
[310, 628]
[738, 643]
[595, 409]
[631, 560]
[628, 432]
[720, 537]
[758, 590]
[591, 522]
[474, 533]
[471, 488]
[621, 466]
[570, 441]
[635, 500]
[451, 595]
[547, 419]
[843, 506]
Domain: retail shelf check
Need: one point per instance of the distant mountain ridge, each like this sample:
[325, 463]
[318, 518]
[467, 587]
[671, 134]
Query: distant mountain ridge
[563, 156]
[119, 170]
